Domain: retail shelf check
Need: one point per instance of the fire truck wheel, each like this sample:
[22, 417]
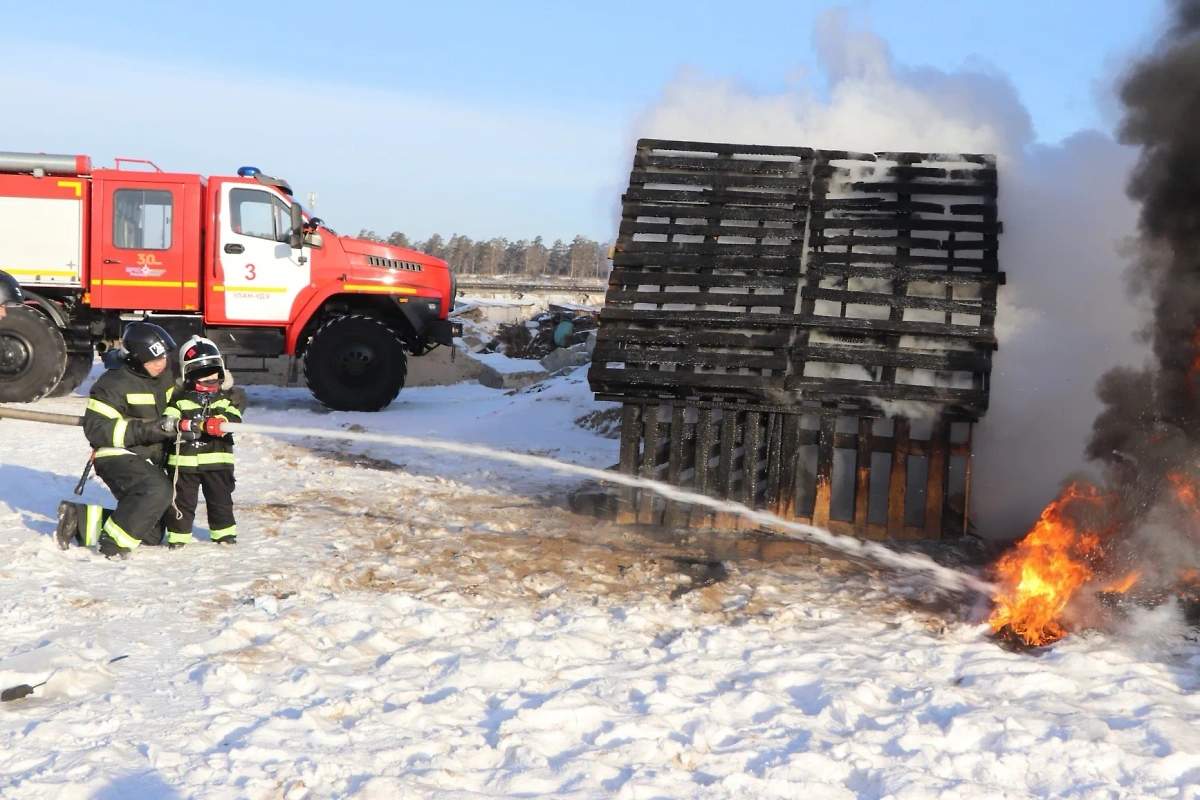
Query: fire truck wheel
[79, 364]
[33, 356]
[355, 363]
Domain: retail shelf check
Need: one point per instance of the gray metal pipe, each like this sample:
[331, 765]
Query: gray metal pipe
[39, 416]
[48, 164]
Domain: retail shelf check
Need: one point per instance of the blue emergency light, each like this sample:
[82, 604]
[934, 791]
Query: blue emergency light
[249, 172]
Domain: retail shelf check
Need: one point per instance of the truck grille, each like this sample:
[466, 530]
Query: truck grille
[391, 263]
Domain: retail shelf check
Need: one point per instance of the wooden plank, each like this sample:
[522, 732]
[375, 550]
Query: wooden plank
[675, 513]
[635, 277]
[786, 299]
[862, 476]
[824, 491]
[855, 265]
[749, 183]
[880, 299]
[714, 248]
[647, 513]
[708, 228]
[973, 332]
[701, 515]
[935, 488]
[751, 264]
[703, 164]
[684, 145]
[879, 205]
[944, 361]
[725, 448]
[774, 442]
[926, 189]
[647, 355]
[730, 319]
[789, 467]
[703, 195]
[750, 340]
[753, 440]
[819, 239]
[966, 517]
[791, 212]
[898, 484]
[818, 388]
[670, 381]
[897, 223]
[628, 465]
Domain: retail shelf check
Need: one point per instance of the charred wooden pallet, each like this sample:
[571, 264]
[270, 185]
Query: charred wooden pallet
[786, 273]
[871, 477]
[751, 284]
[703, 294]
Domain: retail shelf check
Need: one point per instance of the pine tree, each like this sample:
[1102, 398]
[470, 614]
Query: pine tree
[434, 246]
[558, 259]
[399, 240]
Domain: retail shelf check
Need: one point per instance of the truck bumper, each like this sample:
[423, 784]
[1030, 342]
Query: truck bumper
[423, 317]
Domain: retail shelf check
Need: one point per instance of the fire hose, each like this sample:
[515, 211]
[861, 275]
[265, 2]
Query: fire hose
[945, 577]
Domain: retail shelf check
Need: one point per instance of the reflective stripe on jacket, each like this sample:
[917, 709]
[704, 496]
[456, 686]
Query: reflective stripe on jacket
[209, 452]
[118, 405]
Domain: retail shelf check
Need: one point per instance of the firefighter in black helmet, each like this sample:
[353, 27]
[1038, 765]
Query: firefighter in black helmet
[10, 293]
[126, 424]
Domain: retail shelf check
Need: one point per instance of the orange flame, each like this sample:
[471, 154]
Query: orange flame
[1123, 585]
[1045, 570]
[1186, 491]
[1194, 369]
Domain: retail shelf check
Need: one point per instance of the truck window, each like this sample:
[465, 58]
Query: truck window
[259, 214]
[142, 219]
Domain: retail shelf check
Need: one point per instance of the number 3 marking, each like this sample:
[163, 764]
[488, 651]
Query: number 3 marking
[250, 272]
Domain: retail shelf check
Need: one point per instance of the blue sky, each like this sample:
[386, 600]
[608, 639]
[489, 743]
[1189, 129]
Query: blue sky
[502, 118]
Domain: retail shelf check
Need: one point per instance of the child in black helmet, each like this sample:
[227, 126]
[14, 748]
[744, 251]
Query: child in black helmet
[204, 396]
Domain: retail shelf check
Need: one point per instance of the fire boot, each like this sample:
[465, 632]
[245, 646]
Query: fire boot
[68, 525]
[110, 549]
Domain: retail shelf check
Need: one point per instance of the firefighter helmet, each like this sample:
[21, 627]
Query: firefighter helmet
[144, 342]
[10, 291]
[199, 357]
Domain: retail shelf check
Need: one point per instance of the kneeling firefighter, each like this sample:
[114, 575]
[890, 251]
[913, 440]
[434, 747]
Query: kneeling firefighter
[126, 423]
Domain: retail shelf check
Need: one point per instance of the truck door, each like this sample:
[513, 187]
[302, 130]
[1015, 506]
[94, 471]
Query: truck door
[140, 247]
[260, 273]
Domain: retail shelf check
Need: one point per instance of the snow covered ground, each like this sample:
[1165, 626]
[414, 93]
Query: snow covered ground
[395, 624]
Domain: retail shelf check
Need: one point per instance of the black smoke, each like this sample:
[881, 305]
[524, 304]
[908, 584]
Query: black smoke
[1148, 435]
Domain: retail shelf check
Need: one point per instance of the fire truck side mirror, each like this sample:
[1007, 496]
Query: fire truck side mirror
[314, 241]
[295, 239]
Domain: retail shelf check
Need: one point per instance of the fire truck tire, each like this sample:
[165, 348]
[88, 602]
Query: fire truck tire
[33, 356]
[79, 365]
[355, 363]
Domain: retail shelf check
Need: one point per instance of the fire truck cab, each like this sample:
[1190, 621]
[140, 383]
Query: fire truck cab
[234, 258]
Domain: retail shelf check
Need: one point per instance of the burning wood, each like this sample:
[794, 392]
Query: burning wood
[1047, 568]
[1074, 564]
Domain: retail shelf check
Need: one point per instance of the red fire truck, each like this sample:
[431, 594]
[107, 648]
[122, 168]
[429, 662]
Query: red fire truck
[235, 259]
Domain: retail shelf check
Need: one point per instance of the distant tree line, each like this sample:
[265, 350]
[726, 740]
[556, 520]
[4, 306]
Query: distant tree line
[580, 258]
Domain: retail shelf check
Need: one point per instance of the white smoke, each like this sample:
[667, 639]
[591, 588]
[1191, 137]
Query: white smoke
[1063, 318]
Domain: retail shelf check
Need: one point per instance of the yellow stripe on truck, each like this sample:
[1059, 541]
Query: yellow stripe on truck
[255, 289]
[353, 287]
[49, 273]
[159, 284]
